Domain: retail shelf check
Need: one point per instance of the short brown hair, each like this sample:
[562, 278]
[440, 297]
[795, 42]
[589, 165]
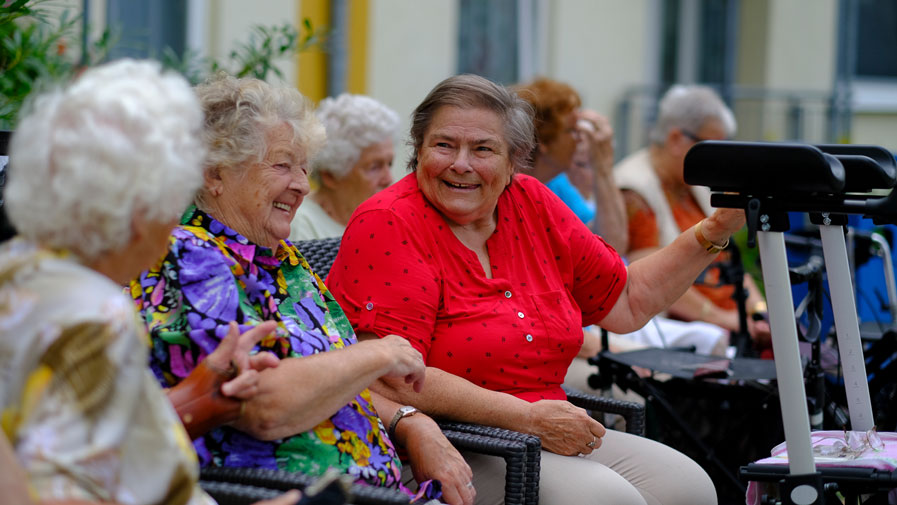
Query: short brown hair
[552, 101]
[473, 91]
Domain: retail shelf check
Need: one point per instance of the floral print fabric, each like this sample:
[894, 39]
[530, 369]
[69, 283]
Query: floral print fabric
[213, 275]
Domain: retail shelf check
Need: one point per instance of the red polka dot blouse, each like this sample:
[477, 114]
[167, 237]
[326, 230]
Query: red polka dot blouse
[401, 270]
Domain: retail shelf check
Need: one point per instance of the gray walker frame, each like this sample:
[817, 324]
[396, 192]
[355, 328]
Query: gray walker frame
[769, 180]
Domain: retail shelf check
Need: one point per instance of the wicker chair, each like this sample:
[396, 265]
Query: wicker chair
[271, 480]
[230, 493]
[320, 254]
[517, 449]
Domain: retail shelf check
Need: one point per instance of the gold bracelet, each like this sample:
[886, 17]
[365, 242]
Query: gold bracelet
[706, 244]
[758, 308]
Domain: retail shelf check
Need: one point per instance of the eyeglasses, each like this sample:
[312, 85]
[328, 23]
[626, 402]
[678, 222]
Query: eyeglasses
[852, 446]
[690, 134]
[695, 137]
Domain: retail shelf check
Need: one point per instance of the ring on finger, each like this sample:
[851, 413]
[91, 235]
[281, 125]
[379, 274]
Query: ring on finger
[591, 444]
[470, 484]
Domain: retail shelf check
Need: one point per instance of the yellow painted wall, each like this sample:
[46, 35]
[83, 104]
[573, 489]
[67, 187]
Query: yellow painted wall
[311, 64]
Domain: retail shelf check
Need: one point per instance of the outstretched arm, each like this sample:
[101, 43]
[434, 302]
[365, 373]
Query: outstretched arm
[656, 281]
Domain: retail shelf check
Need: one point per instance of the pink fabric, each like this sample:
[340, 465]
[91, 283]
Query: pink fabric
[886, 459]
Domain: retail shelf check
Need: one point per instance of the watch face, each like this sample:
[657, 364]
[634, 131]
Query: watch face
[407, 410]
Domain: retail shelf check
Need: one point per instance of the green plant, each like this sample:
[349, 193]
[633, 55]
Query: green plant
[256, 57]
[35, 51]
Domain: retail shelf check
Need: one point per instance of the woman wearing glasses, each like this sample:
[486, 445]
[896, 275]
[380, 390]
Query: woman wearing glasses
[660, 205]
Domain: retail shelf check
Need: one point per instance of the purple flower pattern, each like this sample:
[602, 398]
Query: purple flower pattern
[212, 275]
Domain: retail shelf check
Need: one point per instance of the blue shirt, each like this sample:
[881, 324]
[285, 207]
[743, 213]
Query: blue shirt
[564, 189]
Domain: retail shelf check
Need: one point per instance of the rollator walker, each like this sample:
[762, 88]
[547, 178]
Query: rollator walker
[829, 182]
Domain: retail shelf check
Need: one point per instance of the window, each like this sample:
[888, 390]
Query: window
[876, 39]
[697, 41]
[488, 39]
[147, 28]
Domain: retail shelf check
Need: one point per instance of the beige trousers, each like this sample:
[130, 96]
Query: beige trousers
[626, 469]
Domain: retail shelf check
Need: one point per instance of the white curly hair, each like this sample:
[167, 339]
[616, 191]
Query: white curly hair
[122, 140]
[240, 112]
[353, 123]
[689, 107]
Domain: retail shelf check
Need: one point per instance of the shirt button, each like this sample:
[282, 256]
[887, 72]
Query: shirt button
[507, 294]
[520, 315]
[529, 338]
[369, 306]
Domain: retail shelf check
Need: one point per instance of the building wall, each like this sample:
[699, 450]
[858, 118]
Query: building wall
[801, 58]
[601, 47]
[229, 23]
[412, 46]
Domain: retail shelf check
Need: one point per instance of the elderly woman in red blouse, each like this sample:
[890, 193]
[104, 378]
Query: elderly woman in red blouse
[491, 277]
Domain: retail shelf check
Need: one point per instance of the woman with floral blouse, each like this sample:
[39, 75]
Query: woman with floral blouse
[230, 260]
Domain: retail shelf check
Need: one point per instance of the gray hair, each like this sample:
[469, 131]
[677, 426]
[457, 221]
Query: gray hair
[473, 91]
[690, 107]
[240, 112]
[353, 123]
[123, 140]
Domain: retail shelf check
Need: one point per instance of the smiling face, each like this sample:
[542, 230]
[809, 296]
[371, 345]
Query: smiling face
[464, 164]
[370, 174]
[259, 200]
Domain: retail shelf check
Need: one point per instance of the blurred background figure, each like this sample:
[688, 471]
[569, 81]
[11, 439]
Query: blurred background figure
[562, 128]
[354, 164]
[660, 205]
[574, 158]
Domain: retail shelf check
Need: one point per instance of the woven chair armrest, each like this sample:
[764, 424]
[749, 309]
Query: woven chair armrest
[512, 451]
[487, 445]
[229, 493]
[532, 465]
[284, 481]
[633, 413]
[531, 441]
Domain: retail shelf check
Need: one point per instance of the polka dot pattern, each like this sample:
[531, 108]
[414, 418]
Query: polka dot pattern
[516, 332]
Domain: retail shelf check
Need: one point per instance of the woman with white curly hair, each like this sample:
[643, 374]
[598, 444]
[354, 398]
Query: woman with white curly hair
[101, 172]
[354, 164]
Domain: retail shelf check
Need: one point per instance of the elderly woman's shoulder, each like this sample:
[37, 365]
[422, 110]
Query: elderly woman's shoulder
[404, 192]
[59, 289]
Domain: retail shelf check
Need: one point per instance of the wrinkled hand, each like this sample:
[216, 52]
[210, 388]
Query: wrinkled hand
[407, 364]
[597, 132]
[432, 456]
[288, 498]
[564, 428]
[234, 348]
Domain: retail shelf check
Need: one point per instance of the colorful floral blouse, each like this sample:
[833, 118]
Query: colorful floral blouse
[85, 416]
[213, 275]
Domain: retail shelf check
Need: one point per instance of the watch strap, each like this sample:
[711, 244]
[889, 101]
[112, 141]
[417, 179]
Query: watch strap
[402, 412]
